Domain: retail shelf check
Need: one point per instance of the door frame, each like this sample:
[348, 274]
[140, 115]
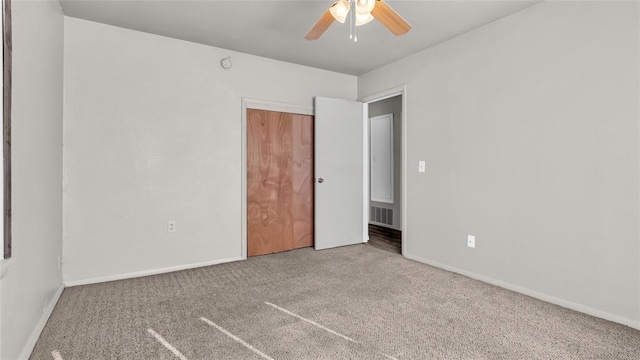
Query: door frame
[248, 103]
[400, 90]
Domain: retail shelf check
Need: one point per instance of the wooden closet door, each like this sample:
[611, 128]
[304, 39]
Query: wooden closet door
[279, 181]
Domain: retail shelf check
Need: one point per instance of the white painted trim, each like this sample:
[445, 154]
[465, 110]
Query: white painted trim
[248, 103]
[276, 106]
[400, 90]
[404, 173]
[365, 173]
[385, 94]
[638, 220]
[37, 330]
[243, 179]
[138, 274]
[540, 296]
[2, 151]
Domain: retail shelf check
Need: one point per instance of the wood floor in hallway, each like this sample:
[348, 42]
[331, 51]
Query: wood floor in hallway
[385, 238]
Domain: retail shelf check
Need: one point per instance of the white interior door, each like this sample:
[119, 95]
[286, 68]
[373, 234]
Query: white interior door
[339, 172]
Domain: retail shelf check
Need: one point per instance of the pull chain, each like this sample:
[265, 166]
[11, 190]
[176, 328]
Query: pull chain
[353, 19]
[350, 22]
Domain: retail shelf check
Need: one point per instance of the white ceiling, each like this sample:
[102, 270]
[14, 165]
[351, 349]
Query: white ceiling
[276, 29]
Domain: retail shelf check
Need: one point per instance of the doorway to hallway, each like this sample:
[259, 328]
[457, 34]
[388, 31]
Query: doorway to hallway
[385, 173]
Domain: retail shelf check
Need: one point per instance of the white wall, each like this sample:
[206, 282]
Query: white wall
[32, 282]
[529, 127]
[152, 133]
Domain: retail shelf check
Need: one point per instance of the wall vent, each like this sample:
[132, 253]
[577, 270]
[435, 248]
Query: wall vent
[381, 215]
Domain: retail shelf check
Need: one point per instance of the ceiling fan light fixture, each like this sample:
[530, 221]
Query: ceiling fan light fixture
[365, 7]
[362, 19]
[363, 13]
[340, 10]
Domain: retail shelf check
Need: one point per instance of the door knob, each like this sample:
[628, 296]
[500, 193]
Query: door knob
[320, 180]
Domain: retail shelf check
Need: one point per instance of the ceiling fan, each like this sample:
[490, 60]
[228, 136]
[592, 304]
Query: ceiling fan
[364, 12]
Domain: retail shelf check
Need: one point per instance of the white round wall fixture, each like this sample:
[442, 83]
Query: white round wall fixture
[226, 63]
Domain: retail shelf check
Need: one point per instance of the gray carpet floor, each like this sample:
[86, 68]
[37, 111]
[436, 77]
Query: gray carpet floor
[356, 302]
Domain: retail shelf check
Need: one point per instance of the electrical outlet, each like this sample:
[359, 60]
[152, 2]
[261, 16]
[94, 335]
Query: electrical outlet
[171, 226]
[471, 241]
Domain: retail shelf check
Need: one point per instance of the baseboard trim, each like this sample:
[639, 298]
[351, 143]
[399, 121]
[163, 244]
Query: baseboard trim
[138, 274]
[540, 296]
[37, 330]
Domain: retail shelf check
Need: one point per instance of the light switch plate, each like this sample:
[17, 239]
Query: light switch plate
[471, 241]
[422, 166]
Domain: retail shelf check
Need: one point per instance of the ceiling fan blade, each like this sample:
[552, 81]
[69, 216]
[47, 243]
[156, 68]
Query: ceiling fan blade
[390, 19]
[320, 27]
